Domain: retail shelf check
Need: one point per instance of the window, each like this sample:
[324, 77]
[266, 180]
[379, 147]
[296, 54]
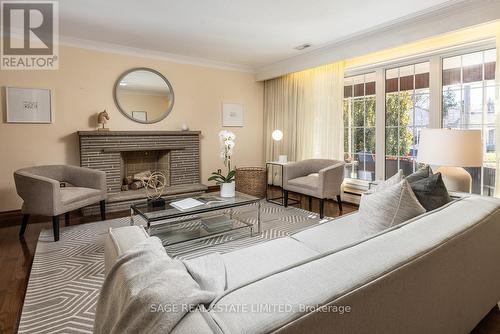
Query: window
[359, 127]
[407, 112]
[469, 103]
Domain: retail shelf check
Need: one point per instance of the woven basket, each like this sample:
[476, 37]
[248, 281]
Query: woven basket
[251, 181]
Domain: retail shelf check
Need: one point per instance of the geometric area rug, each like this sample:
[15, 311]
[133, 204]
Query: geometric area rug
[66, 276]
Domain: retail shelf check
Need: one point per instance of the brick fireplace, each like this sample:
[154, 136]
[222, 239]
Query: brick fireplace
[123, 154]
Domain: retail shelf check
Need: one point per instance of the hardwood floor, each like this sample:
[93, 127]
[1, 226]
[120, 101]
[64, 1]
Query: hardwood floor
[16, 256]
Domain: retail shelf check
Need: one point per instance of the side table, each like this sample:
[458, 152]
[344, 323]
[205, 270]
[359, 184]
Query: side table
[280, 200]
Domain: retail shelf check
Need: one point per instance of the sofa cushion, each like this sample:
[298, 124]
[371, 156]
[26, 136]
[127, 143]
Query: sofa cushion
[420, 174]
[309, 182]
[249, 263]
[388, 207]
[431, 191]
[396, 178]
[75, 194]
[332, 235]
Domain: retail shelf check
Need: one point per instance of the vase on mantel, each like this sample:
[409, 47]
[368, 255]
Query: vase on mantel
[228, 189]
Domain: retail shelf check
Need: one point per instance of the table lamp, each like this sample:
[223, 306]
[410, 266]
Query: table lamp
[452, 150]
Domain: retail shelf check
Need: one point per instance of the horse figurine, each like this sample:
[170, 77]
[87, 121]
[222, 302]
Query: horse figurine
[103, 118]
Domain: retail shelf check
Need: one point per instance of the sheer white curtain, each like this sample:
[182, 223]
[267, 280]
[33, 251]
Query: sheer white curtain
[307, 107]
[497, 121]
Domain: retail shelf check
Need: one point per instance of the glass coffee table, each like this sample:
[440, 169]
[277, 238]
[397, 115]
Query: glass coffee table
[214, 218]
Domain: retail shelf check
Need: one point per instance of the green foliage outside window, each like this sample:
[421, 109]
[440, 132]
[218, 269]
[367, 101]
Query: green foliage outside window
[361, 123]
[398, 107]
[449, 102]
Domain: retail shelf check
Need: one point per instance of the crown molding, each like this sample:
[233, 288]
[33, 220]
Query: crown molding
[138, 52]
[450, 16]
[455, 49]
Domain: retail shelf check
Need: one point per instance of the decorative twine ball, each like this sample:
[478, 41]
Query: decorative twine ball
[155, 185]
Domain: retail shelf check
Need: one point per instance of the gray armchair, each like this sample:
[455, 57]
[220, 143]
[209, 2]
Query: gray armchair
[320, 178]
[42, 194]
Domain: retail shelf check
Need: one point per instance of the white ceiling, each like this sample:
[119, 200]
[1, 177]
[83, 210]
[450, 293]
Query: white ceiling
[248, 34]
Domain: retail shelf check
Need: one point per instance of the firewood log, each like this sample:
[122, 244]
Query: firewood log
[136, 185]
[127, 180]
[142, 176]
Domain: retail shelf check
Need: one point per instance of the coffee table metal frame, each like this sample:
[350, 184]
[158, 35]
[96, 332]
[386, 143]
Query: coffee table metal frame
[169, 220]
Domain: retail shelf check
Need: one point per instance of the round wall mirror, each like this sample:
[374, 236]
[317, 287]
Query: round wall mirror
[144, 95]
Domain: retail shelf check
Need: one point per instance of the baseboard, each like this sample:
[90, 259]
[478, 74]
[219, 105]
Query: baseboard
[14, 217]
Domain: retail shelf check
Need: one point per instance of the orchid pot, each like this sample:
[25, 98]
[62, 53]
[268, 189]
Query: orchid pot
[228, 189]
[226, 181]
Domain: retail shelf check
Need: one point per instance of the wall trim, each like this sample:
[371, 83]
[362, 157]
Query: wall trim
[160, 55]
[451, 16]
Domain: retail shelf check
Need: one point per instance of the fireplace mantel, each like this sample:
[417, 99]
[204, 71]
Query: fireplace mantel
[143, 148]
[137, 133]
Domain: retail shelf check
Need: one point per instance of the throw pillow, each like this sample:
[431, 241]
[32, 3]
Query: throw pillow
[431, 192]
[388, 207]
[420, 174]
[396, 178]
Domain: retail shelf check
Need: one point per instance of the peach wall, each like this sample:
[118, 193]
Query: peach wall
[83, 86]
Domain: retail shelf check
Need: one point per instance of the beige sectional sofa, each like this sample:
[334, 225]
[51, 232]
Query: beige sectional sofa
[437, 273]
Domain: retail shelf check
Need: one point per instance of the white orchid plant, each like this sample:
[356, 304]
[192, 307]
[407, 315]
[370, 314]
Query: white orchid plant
[227, 143]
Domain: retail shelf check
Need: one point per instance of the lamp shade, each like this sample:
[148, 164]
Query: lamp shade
[452, 148]
[277, 135]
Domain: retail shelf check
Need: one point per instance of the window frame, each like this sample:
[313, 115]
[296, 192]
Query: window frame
[414, 92]
[435, 58]
[352, 99]
[484, 126]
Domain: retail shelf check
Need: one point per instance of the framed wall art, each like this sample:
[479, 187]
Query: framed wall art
[232, 114]
[140, 115]
[28, 105]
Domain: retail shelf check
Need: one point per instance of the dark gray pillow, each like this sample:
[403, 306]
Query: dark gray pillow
[420, 174]
[431, 192]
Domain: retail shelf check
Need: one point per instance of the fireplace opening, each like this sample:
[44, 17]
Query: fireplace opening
[136, 166]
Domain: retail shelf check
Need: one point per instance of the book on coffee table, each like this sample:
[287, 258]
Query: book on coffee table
[186, 204]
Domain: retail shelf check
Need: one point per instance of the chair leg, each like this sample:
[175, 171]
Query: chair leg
[310, 203]
[285, 195]
[321, 208]
[102, 204]
[66, 219]
[23, 225]
[339, 201]
[55, 227]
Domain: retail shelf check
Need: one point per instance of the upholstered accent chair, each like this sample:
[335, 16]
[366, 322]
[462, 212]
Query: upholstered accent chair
[42, 191]
[320, 178]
